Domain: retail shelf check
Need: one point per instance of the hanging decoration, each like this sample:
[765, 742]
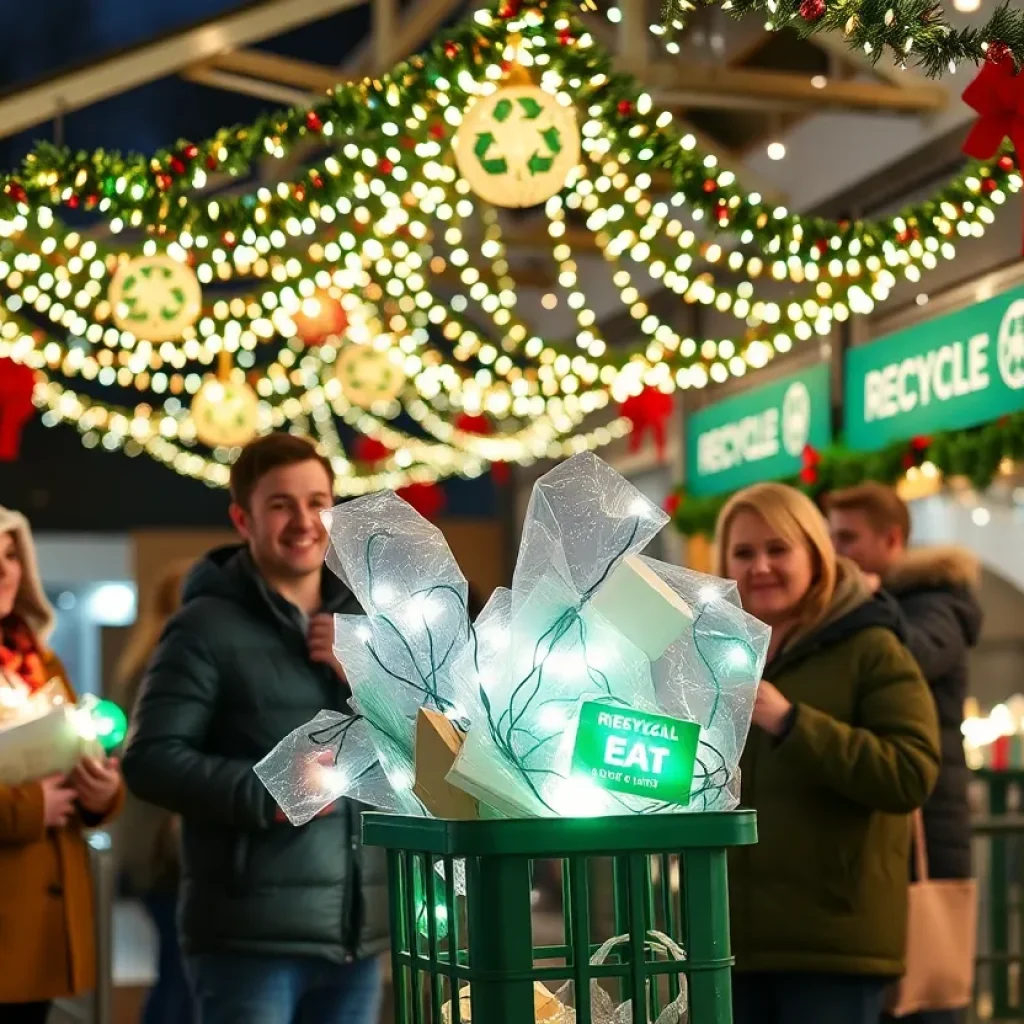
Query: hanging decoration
[648, 412]
[320, 318]
[17, 385]
[997, 96]
[903, 31]
[427, 499]
[225, 411]
[518, 146]
[368, 377]
[155, 298]
[369, 450]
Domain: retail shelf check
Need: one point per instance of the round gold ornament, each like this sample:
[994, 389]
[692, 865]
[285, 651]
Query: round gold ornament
[368, 376]
[517, 146]
[225, 413]
[155, 298]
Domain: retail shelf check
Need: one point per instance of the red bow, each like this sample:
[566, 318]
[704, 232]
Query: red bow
[369, 449]
[427, 499]
[648, 411]
[997, 95]
[17, 383]
[810, 458]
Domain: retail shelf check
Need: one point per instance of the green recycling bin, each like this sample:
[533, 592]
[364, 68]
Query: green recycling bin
[463, 946]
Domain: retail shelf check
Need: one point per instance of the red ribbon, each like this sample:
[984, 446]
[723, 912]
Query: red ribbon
[17, 383]
[648, 412]
[997, 95]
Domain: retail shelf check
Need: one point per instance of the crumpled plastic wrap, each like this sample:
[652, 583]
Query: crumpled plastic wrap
[515, 680]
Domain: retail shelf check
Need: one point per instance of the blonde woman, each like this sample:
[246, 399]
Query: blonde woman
[47, 923]
[844, 747]
[147, 837]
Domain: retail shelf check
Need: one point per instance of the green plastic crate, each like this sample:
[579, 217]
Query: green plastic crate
[664, 873]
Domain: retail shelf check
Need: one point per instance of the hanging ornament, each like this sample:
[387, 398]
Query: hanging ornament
[810, 459]
[225, 412]
[565, 37]
[648, 411]
[427, 499]
[518, 146]
[370, 450]
[997, 96]
[17, 384]
[319, 319]
[671, 504]
[155, 298]
[624, 107]
[369, 377]
[451, 49]
[998, 53]
[313, 121]
[812, 10]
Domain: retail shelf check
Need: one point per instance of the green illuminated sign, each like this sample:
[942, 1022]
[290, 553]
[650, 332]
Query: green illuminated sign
[636, 752]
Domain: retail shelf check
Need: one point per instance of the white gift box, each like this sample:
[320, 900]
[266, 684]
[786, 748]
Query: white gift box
[50, 744]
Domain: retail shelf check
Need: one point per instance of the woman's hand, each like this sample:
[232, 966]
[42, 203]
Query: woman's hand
[58, 801]
[96, 782]
[771, 709]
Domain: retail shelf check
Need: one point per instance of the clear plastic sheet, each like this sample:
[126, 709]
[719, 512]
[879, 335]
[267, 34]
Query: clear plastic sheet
[516, 680]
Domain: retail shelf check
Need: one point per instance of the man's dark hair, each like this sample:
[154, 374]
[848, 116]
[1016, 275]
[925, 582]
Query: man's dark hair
[267, 453]
[881, 505]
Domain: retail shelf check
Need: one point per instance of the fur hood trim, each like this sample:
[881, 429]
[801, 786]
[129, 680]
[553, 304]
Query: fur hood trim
[928, 567]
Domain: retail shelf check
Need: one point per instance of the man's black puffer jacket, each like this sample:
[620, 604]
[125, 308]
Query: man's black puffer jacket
[937, 593]
[229, 680]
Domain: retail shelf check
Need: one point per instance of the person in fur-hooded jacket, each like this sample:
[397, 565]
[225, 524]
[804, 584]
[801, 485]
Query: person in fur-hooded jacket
[936, 588]
[47, 919]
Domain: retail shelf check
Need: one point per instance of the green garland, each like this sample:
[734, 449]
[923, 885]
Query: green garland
[395, 119]
[975, 454]
[910, 31]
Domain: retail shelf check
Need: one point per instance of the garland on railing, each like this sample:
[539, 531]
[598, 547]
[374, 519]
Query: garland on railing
[978, 454]
[909, 31]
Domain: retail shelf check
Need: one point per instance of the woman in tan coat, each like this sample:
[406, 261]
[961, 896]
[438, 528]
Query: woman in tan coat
[47, 919]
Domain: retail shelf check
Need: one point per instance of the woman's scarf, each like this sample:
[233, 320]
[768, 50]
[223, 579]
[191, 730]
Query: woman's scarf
[20, 655]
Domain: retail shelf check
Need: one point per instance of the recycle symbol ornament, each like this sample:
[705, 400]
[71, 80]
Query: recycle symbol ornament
[155, 298]
[518, 146]
[368, 376]
[225, 413]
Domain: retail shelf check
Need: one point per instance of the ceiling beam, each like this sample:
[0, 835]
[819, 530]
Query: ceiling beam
[111, 75]
[715, 87]
[260, 88]
[271, 67]
[377, 55]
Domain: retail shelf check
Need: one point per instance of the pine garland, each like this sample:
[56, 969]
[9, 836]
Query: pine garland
[910, 31]
[975, 454]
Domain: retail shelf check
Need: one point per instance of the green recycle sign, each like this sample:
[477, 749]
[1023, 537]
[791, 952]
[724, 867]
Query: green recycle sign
[540, 161]
[139, 287]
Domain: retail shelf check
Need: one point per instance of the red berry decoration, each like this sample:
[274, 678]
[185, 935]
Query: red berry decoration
[164, 181]
[211, 162]
[17, 192]
[1005, 163]
[998, 52]
[451, 49]
[989, 185]
[812, 10]
[509, 9]
[313, 122]
[314, 177]
[821, 246]
[74, 202]
[300, 193]
[565, 37]
[385, 166]
[177, 165]
[436, 131]
[722, 211]
[710, 185]
[625, 107]
[191, 151]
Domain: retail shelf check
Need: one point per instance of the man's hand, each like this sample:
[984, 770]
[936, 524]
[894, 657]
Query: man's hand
[96, 781]
[770, 709]
[321, 643]
[58, 801]
[874, 581]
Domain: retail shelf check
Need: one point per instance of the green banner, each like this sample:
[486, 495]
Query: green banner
[636, 752]
[945, 374]
[758, 435]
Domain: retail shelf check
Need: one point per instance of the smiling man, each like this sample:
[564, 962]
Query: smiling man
[279, 924]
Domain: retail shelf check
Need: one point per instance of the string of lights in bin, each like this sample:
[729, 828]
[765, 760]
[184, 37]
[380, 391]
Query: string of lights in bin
[363, 238]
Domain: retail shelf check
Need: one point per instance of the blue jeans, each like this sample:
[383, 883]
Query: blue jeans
[235, 989]
[169, 1001]
[805, 998]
